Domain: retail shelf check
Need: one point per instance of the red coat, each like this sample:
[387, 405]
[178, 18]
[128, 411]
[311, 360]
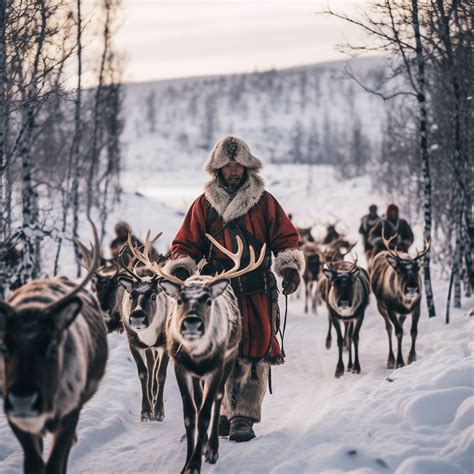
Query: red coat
[267, 222]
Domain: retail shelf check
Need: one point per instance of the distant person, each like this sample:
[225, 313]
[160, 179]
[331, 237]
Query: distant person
[122, 229]
[367, 223]
[387, 227]
[331, 235]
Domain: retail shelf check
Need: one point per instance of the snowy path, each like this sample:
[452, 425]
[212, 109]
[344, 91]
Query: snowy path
[312, 423]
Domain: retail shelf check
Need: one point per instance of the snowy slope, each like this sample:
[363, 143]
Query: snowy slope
[305, 114]
[414, 420]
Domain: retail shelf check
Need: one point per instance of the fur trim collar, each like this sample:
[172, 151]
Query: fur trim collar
[230, 208]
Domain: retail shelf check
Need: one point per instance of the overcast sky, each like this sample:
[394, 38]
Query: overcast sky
[177, 38]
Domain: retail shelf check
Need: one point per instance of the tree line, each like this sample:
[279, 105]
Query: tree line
[427, 146]
[59, 135]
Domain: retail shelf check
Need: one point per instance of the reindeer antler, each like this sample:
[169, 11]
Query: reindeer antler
[86, 254]
[426, 249]
[234, 272]
[144, 257]
[92, 269]
[387, 243]
[124, 265]
[348, 250]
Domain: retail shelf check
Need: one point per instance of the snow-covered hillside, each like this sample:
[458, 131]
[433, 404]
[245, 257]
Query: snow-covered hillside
[414, 420]
[312, 114]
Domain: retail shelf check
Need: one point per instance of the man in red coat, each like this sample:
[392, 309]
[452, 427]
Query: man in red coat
[235, 203]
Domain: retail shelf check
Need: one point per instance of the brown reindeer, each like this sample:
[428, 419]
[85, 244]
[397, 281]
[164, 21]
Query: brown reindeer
[104, 285]
[203, 335]
[53, 351]
[346, 290]
[396, 283]
[314, 259]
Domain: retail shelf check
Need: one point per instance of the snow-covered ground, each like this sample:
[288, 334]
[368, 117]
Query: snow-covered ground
[418, 419]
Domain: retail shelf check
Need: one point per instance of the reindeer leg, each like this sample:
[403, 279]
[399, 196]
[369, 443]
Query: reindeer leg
[355, 338]
[340, 346]
[329, 337]
[399, 333]
[414, 333]
[143, 376]
[57, 462]
[189, 410]
[348, 342]
[152, 360]
[388, 326]
[159, 408]
[204, 418]
[212, 449]
[314, 297]
[33, 450]
[306, 297]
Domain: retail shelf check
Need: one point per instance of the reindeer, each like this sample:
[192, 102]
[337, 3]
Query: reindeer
[396, 283]
[203, 336]
[313, 259]
[104, 285]
[144, 310]
[347, 290]
[53, 352]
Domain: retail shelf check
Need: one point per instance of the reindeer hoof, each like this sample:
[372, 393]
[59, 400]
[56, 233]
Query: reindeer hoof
[191, 470]
[400, 363]
[412, 357]
[159, 416]
[212, 455]
[390, 363]
[146, 416]
[328, 343]
[356, 370]
[349, 366]
[339, 372]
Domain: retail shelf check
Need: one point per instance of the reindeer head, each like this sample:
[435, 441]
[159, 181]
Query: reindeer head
[407, 269]
[197, 299]
[32, 344]
[104, 283]
[142, 287]
[342, 276]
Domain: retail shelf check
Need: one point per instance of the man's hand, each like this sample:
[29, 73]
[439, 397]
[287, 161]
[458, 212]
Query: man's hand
[291, 280]
[181, 273]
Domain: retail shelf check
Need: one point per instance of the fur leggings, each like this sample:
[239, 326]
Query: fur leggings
[245, 390]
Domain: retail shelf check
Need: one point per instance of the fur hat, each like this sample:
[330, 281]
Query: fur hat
[231, 148]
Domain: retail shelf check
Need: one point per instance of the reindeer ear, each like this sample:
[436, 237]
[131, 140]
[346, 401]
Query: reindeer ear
[218, 288]
[66, 312]
[355, 273]
[5, 311]
[126, 282]
[392, 261]
[327, 273]
[170, 288]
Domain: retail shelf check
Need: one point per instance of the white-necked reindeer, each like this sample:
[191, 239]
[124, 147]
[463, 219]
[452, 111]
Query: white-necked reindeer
[144, 310]
[203, 335]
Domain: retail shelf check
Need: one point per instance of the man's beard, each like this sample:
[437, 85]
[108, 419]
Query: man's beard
[234, 182]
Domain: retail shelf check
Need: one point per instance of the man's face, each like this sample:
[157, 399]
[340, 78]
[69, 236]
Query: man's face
[392, 215]
[233, 174]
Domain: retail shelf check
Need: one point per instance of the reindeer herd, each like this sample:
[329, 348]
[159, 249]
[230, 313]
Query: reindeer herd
[53, 335]
[345, 288]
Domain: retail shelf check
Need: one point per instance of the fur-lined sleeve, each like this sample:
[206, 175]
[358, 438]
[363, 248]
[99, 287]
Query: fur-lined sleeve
[283, 238]
[189, 245]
